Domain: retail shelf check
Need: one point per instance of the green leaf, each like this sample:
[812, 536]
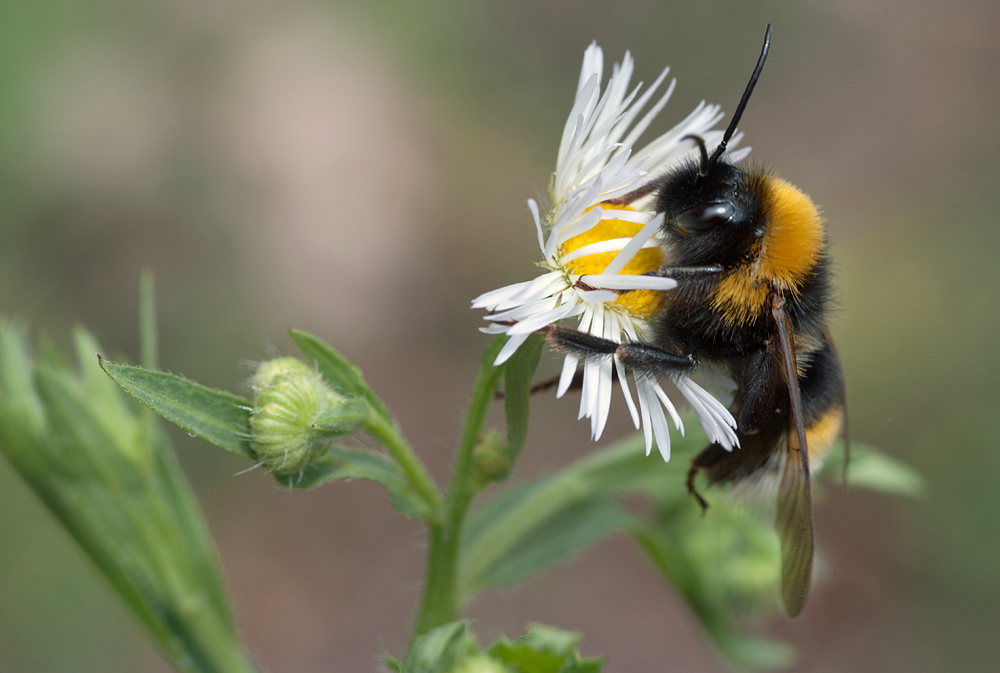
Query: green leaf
[341, 463]
[518, 372]
[214, 415]
[17, 386]
[870, 468]
[567, 532]
[441, 650]
[79, 443]
[726, 565]
[336, 370]
[516, 523]
[544, 650]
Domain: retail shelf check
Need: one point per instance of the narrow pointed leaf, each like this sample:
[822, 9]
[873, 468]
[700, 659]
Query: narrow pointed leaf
[517, 373]
[670, 551]
[214, 415]
[568, 532]
[17, 387]
[118, 491]
[336, 370]
[870, 468]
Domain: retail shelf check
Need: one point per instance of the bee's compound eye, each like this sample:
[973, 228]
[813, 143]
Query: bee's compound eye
[706, 216]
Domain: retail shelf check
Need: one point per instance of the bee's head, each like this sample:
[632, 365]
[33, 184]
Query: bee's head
[713, 216]
[712, 209]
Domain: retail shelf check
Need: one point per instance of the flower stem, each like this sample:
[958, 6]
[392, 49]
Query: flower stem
[386, 432]
[440, 603]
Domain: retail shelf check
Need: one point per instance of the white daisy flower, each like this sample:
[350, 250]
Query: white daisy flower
[591, 248]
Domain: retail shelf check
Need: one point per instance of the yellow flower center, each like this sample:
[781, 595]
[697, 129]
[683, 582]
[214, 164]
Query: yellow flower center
[641, 303]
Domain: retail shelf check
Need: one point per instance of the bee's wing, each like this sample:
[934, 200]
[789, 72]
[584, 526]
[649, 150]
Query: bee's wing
[794, 520]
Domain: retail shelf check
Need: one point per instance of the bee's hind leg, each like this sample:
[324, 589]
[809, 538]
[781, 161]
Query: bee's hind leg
[636, 356]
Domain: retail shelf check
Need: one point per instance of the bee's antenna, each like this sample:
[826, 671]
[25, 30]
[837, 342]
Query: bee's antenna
[700, 142]
[746, 97]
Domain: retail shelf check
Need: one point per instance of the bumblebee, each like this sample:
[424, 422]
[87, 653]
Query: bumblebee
[749, 253]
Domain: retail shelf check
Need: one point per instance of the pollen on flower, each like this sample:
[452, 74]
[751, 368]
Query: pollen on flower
[640, 303]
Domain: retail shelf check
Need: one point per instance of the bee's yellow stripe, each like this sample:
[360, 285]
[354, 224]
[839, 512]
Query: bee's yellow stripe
[823, 432]
[790, 248]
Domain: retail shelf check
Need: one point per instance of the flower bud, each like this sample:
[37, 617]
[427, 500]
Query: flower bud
[491, 458]
[295, 414]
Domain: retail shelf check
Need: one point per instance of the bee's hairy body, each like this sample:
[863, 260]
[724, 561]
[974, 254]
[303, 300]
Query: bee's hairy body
[774, 246]
[749, 253]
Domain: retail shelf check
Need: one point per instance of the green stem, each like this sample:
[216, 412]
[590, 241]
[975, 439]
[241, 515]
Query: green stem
[441, 603]
[147, 321]
[386, 432]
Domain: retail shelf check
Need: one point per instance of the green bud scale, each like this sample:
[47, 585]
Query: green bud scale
[295, 414]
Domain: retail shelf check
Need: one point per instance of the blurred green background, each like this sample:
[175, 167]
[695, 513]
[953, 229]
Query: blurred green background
[359, 170]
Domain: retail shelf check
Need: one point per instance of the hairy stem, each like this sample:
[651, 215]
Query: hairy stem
[386, 432]
[441, 603]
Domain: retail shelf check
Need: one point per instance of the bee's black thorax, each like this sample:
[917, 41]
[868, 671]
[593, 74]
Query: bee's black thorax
[772, 243]
[768, 238]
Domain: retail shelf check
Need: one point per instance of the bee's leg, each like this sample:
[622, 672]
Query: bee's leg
[709, 459]
[634, 195]
[542, 386]
[686, 271]
[634, 355]
[679, 273]
[692, 473]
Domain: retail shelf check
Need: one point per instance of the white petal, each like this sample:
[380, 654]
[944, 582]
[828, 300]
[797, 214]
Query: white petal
[523, 311]
[586, 98]
[603, 408]
[661, 431]
[720, 411]
[635, 216]
[653, 111]
[546, 285]
[489, 300]
[738, 155]
[584, 326]
[593, 64]
[627, 393]
[540, 320]
[630, 250]
[568, 374]
[533, 207]
[597, 296]
[606, 381]
[628, 282]
[570, 224]
[592, 372]
[601, 247]
[589, 392]
[644, 403]
[517, 294]
[510, 348]
[716, 424]
[669, 406]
